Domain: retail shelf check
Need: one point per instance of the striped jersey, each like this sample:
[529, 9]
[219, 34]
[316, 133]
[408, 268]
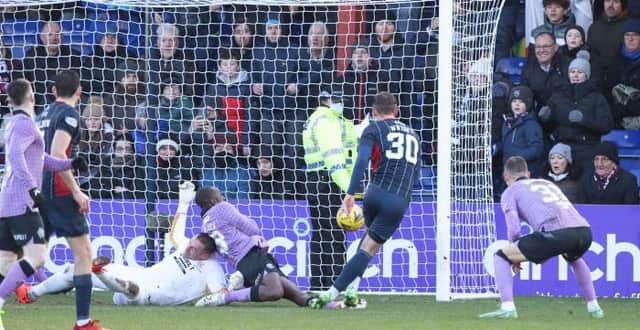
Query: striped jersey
[395, 156]
[59, 116]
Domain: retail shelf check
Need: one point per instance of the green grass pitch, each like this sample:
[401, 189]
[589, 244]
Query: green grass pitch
[383, 312]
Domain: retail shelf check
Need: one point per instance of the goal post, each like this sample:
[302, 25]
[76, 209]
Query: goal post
[218, 92]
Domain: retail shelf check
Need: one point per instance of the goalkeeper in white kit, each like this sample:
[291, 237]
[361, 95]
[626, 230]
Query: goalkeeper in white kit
[187, 274]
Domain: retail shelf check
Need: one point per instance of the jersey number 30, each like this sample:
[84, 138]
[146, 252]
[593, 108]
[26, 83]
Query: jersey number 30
[402, 146]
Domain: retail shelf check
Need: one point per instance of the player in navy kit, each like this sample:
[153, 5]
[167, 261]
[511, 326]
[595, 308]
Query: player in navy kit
[66, 202]
[394, 149]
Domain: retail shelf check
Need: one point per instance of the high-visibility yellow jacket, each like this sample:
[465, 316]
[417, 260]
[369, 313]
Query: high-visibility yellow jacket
[330, 143]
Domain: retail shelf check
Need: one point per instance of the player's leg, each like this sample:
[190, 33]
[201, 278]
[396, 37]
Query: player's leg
[58, 282]
[582, 238]
[504, 261]
[26, 232]
[7, 259]
[81, 247]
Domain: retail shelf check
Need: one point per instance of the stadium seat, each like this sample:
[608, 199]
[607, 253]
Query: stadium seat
[511, 67]
[628, 142]
[20, 32]
[17, 52]
[624, 138]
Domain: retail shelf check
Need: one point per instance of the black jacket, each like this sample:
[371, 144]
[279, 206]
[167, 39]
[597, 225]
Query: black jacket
[544, 83]
[597, 120]
[627, 72]
[622, 189]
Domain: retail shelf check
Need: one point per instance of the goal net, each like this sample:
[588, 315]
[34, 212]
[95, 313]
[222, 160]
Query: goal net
[218, 93]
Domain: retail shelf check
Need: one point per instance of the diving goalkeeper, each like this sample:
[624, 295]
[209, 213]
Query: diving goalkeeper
[187, 274]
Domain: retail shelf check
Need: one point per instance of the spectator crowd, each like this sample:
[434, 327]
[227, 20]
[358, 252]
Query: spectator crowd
[219, 94]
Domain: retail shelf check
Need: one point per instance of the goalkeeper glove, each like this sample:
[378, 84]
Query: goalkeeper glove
[80, 164]
[38, 199]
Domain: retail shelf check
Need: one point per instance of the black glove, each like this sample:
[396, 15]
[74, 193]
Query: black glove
[38, 199]
[80, 163]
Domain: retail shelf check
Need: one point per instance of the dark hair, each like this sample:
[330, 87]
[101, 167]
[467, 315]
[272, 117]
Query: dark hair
[66, 83]
[208, 242]
[18, 91]
[227, 55]
[515, 165]
[562, 3]
[204, 196]
[385, 103]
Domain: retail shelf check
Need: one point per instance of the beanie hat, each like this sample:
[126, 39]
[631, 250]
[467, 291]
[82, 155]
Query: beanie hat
[579, 29]
[523, 93]
[632, 25]
[562, 150]
[607, 149]
[582, 63]
[167, 142]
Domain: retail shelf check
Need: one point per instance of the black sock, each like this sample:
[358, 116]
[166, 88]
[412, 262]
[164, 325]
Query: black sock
[83, 287]
[26, 268]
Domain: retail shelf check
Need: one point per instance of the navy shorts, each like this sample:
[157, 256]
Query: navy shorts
[17, 231]
[383, 213]
[570, 243]
[62, 217]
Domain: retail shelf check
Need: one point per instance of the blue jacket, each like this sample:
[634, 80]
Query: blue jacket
[524, 139]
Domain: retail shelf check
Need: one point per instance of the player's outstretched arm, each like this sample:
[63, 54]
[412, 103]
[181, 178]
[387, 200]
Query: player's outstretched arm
[55, 164]
[62, 139]
[178, 226]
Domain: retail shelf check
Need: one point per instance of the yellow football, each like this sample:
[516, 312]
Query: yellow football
[352, 221]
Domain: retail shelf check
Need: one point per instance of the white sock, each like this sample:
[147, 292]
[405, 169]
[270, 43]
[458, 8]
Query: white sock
[1, 303]
[592, 305]
[82, 322]
[334, 293]
[56, 283]
[508, 306]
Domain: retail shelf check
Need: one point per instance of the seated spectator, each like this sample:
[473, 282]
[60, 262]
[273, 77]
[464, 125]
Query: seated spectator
[129, 101]
[124, 177]
[578, 114]
[227, 174]
[241, 45]
[168, 60]
[574, 41]
[360, 84]
[521, 133]
[559, 170]
[98, 74]
[547, 71]
[268, 181]
[608, 183]
[622, 80]
[172, 169]
[96, 145]
[606, 34]
[43, 62]
[175, 111]
[230, 94]
[557, 18]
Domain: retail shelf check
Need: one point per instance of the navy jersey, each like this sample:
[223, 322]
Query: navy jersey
[394, 149]
[59, 116]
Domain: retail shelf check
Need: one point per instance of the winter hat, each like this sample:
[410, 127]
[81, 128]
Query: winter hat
[562, 150]
[582, 63]
[167, 142]
[632, 25]
[579, 29]
[522, 93]
[607, 149]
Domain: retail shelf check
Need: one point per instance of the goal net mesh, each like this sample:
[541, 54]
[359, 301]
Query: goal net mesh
[218, 92]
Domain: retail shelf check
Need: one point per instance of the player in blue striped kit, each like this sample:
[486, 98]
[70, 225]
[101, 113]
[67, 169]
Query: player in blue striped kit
[394, 149]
